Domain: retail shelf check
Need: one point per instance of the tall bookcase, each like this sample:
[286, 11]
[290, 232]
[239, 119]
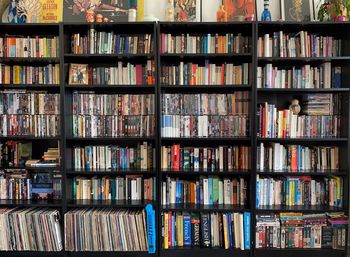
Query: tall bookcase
[280, 97]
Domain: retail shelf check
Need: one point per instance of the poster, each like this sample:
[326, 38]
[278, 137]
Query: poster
[51, 11]
[186, 10]
[113, 10]
[239, 10]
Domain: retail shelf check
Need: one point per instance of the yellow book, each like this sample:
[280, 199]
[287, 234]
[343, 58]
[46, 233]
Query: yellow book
[225, 231]
[140, 10]
[291, 196]
[45, 48]
[166, 229]
[179, 230]
[17, 74]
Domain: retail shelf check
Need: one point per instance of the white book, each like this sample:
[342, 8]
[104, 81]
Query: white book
[205, 191]
[267, 52]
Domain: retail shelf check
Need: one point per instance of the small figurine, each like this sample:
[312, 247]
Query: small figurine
[99, 18]
[221, 15]
[266, 14]
[90, 16]
[295, 107]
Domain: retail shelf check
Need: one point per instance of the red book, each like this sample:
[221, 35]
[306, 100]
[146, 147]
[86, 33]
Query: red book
[138, 74]
[263, 117]
[176, 157]
[294, 158]
[234, 190]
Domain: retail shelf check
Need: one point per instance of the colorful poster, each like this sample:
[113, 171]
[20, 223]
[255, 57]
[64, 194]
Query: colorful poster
[239, 10]
[51, 11]
[185, 10]
[111, 10]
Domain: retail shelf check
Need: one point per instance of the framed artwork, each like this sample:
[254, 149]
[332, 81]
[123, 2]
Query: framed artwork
[187, 10]
[113, 10]
[274, 7]
[239, 10]
[316, 5]
[78, 74]
[296, 10]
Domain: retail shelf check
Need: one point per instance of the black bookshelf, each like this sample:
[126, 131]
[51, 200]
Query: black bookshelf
[278, 96]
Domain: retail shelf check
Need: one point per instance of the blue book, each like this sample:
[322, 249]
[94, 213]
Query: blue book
[229, 229]
[246, 223]
[177, 193]
[210, 188]
[257, 200]
[187, 229]
[88, 155]
[151, 228]
[173, 242]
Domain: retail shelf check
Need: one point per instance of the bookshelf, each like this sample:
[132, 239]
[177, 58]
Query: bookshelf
[281, 97]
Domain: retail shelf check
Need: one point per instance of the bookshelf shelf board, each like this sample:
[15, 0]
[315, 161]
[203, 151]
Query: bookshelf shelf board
[30, 253]
[299, 250]
[28, 138]
[204, 88]
[106, 57]
[111, 254]
[110, 172]
[207, 252]
[109, 139]
[108, 203]
[206, 139]
[241, 56]
[306, 209]
[31, 86]
[30, 203]
[201, 173]
[29, 60]
[48, 169]
[118, 87]
[301, 90]
[305, 140]
[203, 208]
[289, 60]
[323, 173]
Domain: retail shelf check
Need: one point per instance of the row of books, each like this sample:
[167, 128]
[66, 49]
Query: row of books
[206, 104]
[297, 158]
[113, 157]
[282, 123]
[204, 126]
[30, 229]
[30, 125]
[19, 185]
[33, 47]
[205, 74]
[24, 102]
[122, 74]
[119, 188]
[103, 42]
[20, 74]
[225, 230]
[323, 76]
[298, 230]
[205, 190]
[299, 191]
[113, 126]
[113, 104]
[105, 230]
[209, 159]
[207, 44]
[301, 44]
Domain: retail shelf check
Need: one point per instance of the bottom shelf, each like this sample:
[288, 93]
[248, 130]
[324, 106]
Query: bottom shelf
[110, 254]
[299, 252]
[203, 252]
[31, 253]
